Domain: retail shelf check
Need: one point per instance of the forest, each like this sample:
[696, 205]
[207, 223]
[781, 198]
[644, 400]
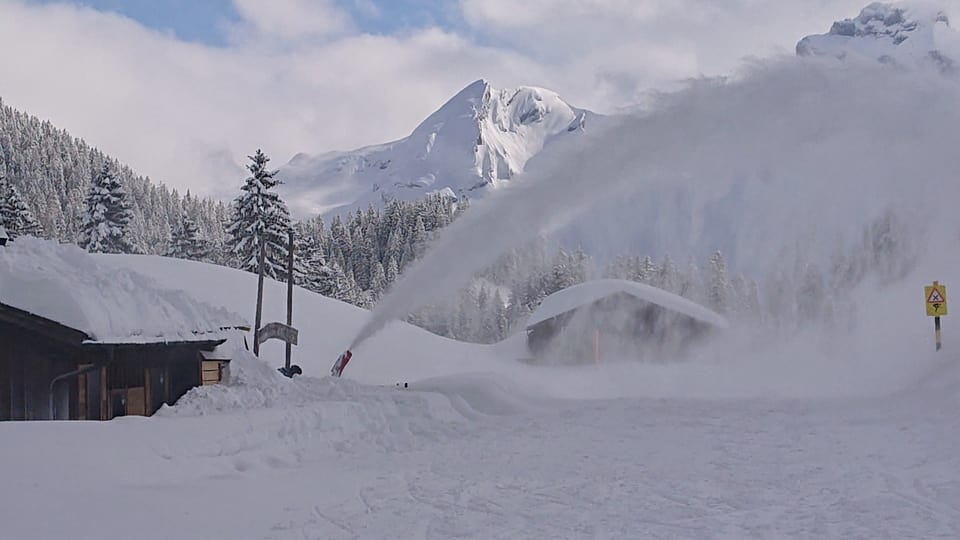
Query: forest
[57, 186]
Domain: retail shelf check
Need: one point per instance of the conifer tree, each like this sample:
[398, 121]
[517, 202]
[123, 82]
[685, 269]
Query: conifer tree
[378, 282]
[501, 321]
[718, 286]
[392, 271]
[260, 217]
[15, 216]
[107, 215]
[185, 241]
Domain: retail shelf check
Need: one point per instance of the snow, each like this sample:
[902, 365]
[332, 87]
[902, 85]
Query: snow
[480, 446]
[481, 138]
[64, 283]
[591, 291]
[326, 325]
[842, 430]
[908, 33]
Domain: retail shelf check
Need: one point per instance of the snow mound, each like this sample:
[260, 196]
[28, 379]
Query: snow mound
[64, 283]
[302, 418]
[482, 137]
[899, 33]
[252, 384]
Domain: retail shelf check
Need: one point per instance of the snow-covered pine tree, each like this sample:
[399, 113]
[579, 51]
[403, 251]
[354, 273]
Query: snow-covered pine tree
[334, 283]
[260, 216]
[811, 296]
[392, 271]
[418, 239]
[718, 285]
[668, 277]
[15, 216]
[185, 241]
[104, 225]
[501, 322]
[378, 282]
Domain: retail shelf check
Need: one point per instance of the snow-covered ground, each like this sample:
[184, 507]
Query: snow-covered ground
[480, 446]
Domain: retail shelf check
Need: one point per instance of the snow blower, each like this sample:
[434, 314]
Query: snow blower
[341, 363]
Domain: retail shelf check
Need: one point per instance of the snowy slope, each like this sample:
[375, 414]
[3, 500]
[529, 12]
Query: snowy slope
[479, 139]
[326, 326]
[906, 33]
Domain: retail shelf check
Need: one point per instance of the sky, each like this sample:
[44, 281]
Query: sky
[184, 90]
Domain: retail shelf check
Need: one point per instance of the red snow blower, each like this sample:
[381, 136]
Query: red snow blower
[341, 363]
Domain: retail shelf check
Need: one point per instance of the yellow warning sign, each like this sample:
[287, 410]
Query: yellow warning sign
[936, 296]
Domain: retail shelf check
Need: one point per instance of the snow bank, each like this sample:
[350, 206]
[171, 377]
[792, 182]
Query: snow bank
[64, 283]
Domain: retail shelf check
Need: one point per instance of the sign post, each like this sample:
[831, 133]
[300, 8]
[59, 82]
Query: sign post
[936, 300]
[289, 295]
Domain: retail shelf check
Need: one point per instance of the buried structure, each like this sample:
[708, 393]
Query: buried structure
[615, 319]
[82, 340]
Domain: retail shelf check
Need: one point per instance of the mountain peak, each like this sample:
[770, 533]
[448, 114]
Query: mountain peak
[480, 138]
[898, 33]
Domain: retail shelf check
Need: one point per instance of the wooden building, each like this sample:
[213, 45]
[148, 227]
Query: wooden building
[52, 371]
[80, 340]
[615, 319]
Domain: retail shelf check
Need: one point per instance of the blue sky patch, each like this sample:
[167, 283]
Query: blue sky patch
[204, 21]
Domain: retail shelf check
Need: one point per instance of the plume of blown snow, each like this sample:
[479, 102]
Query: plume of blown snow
[788, 150]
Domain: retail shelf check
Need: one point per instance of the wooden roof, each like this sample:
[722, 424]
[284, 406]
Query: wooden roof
[76, 338]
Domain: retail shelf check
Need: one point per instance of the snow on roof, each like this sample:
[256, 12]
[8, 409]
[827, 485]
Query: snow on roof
[587, 293]
[65, 284]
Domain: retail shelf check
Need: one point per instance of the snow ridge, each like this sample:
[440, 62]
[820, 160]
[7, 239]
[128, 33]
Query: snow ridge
[480, 139]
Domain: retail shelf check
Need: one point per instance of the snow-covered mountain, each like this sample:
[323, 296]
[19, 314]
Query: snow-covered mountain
[479, 139]
[905, 33]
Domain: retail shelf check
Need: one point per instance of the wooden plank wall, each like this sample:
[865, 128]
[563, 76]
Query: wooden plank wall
[5, 383]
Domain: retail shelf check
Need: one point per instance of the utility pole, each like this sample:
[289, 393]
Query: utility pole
[256, 326]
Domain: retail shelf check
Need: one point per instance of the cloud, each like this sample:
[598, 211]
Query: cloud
[301, 76]
[286, 21]
[618, 49]
[165, 106]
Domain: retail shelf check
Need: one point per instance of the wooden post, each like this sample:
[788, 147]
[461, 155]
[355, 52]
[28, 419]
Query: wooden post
[259, 319]
[936, 328]
[105, 404]
[289, 295]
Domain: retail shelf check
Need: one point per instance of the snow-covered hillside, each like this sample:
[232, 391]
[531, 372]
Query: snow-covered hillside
[326, 325]
[479, 139]
[905, 33]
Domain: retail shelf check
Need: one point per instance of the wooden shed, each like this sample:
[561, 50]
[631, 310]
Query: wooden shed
[82, 340]
[51, 371]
